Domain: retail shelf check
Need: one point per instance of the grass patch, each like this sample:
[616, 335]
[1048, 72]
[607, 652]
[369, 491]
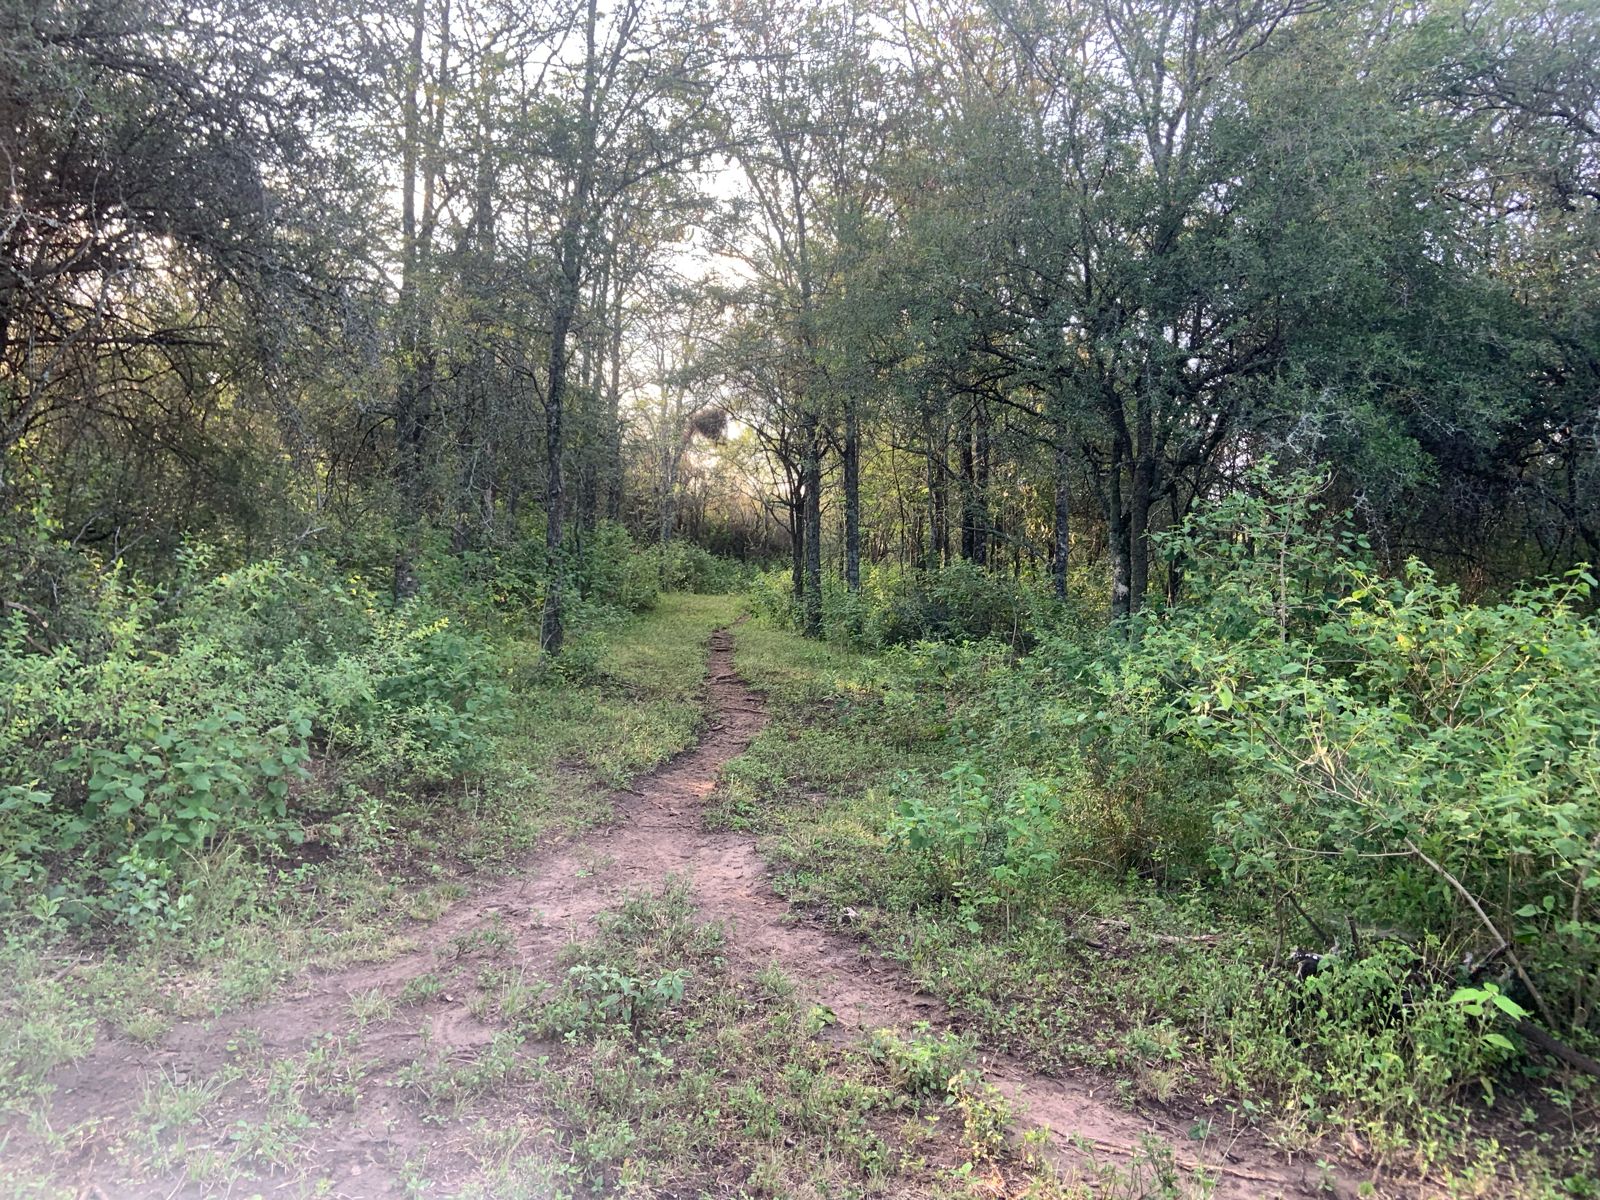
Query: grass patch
[629, 701]
[1175, 991]
[670, 1074]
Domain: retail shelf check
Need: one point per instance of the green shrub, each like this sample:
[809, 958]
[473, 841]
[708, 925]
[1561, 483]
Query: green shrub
[178, 717]
[960, 602]
[984, 847]
[1400, 755]
[1301, 731]
[1372, 1035]
[925, 1063]
[612, 571]
[686, 567]
[771, 596]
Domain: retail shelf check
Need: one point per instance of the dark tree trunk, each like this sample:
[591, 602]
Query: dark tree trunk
[1117, 537]
[408, 423]
[552, 631]
[981, 438]
[797, 544]
[852, 497]
[569, 293]
[1144, 482]
[968, 484]
[1061, 540]
[811, 601]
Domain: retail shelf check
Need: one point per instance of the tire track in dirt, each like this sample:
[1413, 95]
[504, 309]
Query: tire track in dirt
[658, 835]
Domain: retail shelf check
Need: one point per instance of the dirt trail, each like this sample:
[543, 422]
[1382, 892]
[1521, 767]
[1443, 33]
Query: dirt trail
[659, 834]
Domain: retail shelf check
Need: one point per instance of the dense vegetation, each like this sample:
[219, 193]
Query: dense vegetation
[1158, 440]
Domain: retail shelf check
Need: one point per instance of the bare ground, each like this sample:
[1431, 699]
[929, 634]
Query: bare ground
[658, 836]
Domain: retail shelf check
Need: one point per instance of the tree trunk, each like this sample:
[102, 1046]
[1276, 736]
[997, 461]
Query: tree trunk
[980, 485]
[1117, 537]
[811, 601]
[1144, 481]
[1061, 540]
[968, 483]
[852, 496]
[570, 291]
[552, 631]
[797, 544]
[407, 422]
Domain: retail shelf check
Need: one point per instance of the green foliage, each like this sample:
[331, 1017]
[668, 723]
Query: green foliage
[924, 1064]
[177, 718]
[982, 848]
[960, 602]
[904, 606]
[686, 567]
[1299, 732]
[611, 571]
[1378, 1036]
[1375, 747]
[1402, 755]
[596, 996]
[634, 972]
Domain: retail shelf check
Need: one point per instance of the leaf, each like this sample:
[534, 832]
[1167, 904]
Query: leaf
[1507, 1005]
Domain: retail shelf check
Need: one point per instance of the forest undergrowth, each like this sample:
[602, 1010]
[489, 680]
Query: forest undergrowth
[1314, 852]
[211, 787]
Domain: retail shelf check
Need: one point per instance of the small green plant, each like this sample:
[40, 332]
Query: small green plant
[371, 1006]
[420, 989]
[984, 850]
[923, 1064]
[598, 995]
[985, 1115]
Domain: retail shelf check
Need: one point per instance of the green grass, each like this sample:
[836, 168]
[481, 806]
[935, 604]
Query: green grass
[1167, 991]
[627, 701]
[670, 1074]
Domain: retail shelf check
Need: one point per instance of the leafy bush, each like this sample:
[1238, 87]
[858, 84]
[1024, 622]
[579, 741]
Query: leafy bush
[923, 1064]
[960, 602]
[612, 571]
[178, 717]
[1305, 732]
[686, 567]
[903, 606]
[984, 848]
[771, 597]
[1373, 1035]
[1400, 755]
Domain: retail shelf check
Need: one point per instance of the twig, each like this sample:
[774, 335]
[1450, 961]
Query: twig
[1327, 941]
[1505, 943]
[26, 636]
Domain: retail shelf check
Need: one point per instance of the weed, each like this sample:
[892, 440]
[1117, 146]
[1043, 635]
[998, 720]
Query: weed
[924, 1064]
[371, 1006]
[420, 989]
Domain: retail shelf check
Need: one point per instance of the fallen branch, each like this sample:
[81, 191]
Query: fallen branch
[1558, 1049]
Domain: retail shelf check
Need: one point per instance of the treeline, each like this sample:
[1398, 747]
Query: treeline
[1031, 282]
[1021, 284]
[354, 280]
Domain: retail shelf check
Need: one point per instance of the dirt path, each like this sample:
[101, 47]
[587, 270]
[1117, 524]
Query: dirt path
[658, 835]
